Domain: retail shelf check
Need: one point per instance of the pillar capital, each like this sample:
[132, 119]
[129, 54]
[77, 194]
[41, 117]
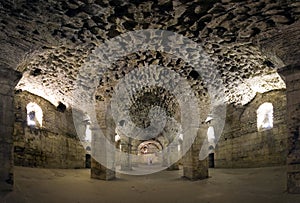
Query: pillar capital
[10, 76]
[290, 72]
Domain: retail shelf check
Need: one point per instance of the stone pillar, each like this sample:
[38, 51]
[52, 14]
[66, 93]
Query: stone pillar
[173, 156]
[99, 171]
[135, 152]
[8, 80]
[126, 160]
[291, 76]
[193, 168]
[102, 150]
[164, 159]
[103, 146]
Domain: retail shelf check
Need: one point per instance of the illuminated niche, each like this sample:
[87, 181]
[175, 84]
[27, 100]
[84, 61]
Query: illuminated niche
[34, 115]
[265, 116]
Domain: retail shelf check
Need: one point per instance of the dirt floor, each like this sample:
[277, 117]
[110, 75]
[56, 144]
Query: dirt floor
[267, 185]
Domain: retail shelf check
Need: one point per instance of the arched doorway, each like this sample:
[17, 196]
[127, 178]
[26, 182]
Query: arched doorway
[87, 161]
[150, 152]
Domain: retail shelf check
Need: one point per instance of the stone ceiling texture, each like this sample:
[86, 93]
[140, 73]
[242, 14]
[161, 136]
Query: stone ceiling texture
[50, 40]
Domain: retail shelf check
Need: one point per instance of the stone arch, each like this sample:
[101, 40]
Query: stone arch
[144, 147]
[149, 151]
[281, 45]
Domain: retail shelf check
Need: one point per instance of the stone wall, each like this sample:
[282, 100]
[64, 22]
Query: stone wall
[242, 145]
[54, 145]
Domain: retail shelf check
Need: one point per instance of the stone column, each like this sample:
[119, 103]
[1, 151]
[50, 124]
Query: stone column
[173, 156]
[126, 160]
[102, 150]
[164, 159]
[135, 152]
[8, 80]
[291, 76]
[103, 146]
[193, 168]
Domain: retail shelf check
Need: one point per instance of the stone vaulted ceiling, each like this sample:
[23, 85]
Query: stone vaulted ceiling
[50, 40]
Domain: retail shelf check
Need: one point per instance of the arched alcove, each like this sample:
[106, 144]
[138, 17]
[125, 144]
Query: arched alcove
[149, 147]
[265, 116]
[34, 115]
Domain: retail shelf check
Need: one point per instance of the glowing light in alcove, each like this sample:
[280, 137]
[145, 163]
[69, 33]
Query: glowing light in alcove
[88, 134]
[181, 137]
[265, 116]
[34, 115]
[117, 138]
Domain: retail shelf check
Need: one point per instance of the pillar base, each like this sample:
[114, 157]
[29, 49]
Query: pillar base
[193, 168]
[196, 173]
[173, 167]
[293, 182]
[126, 168]
[100, 172]
[5, 189]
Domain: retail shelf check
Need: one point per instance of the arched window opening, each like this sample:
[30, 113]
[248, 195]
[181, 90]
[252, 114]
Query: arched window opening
[149, 151]
[88, 148]
[87, 161]
[88, 132]
[117, 138]
[149, 147]
[265, 116]
[180, 141]
[34, 115]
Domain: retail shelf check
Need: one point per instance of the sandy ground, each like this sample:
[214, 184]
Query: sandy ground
[225, 185]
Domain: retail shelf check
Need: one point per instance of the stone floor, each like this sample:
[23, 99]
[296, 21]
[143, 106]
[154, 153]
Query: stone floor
[225, 186]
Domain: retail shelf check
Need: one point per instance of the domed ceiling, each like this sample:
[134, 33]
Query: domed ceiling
[50, 41]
